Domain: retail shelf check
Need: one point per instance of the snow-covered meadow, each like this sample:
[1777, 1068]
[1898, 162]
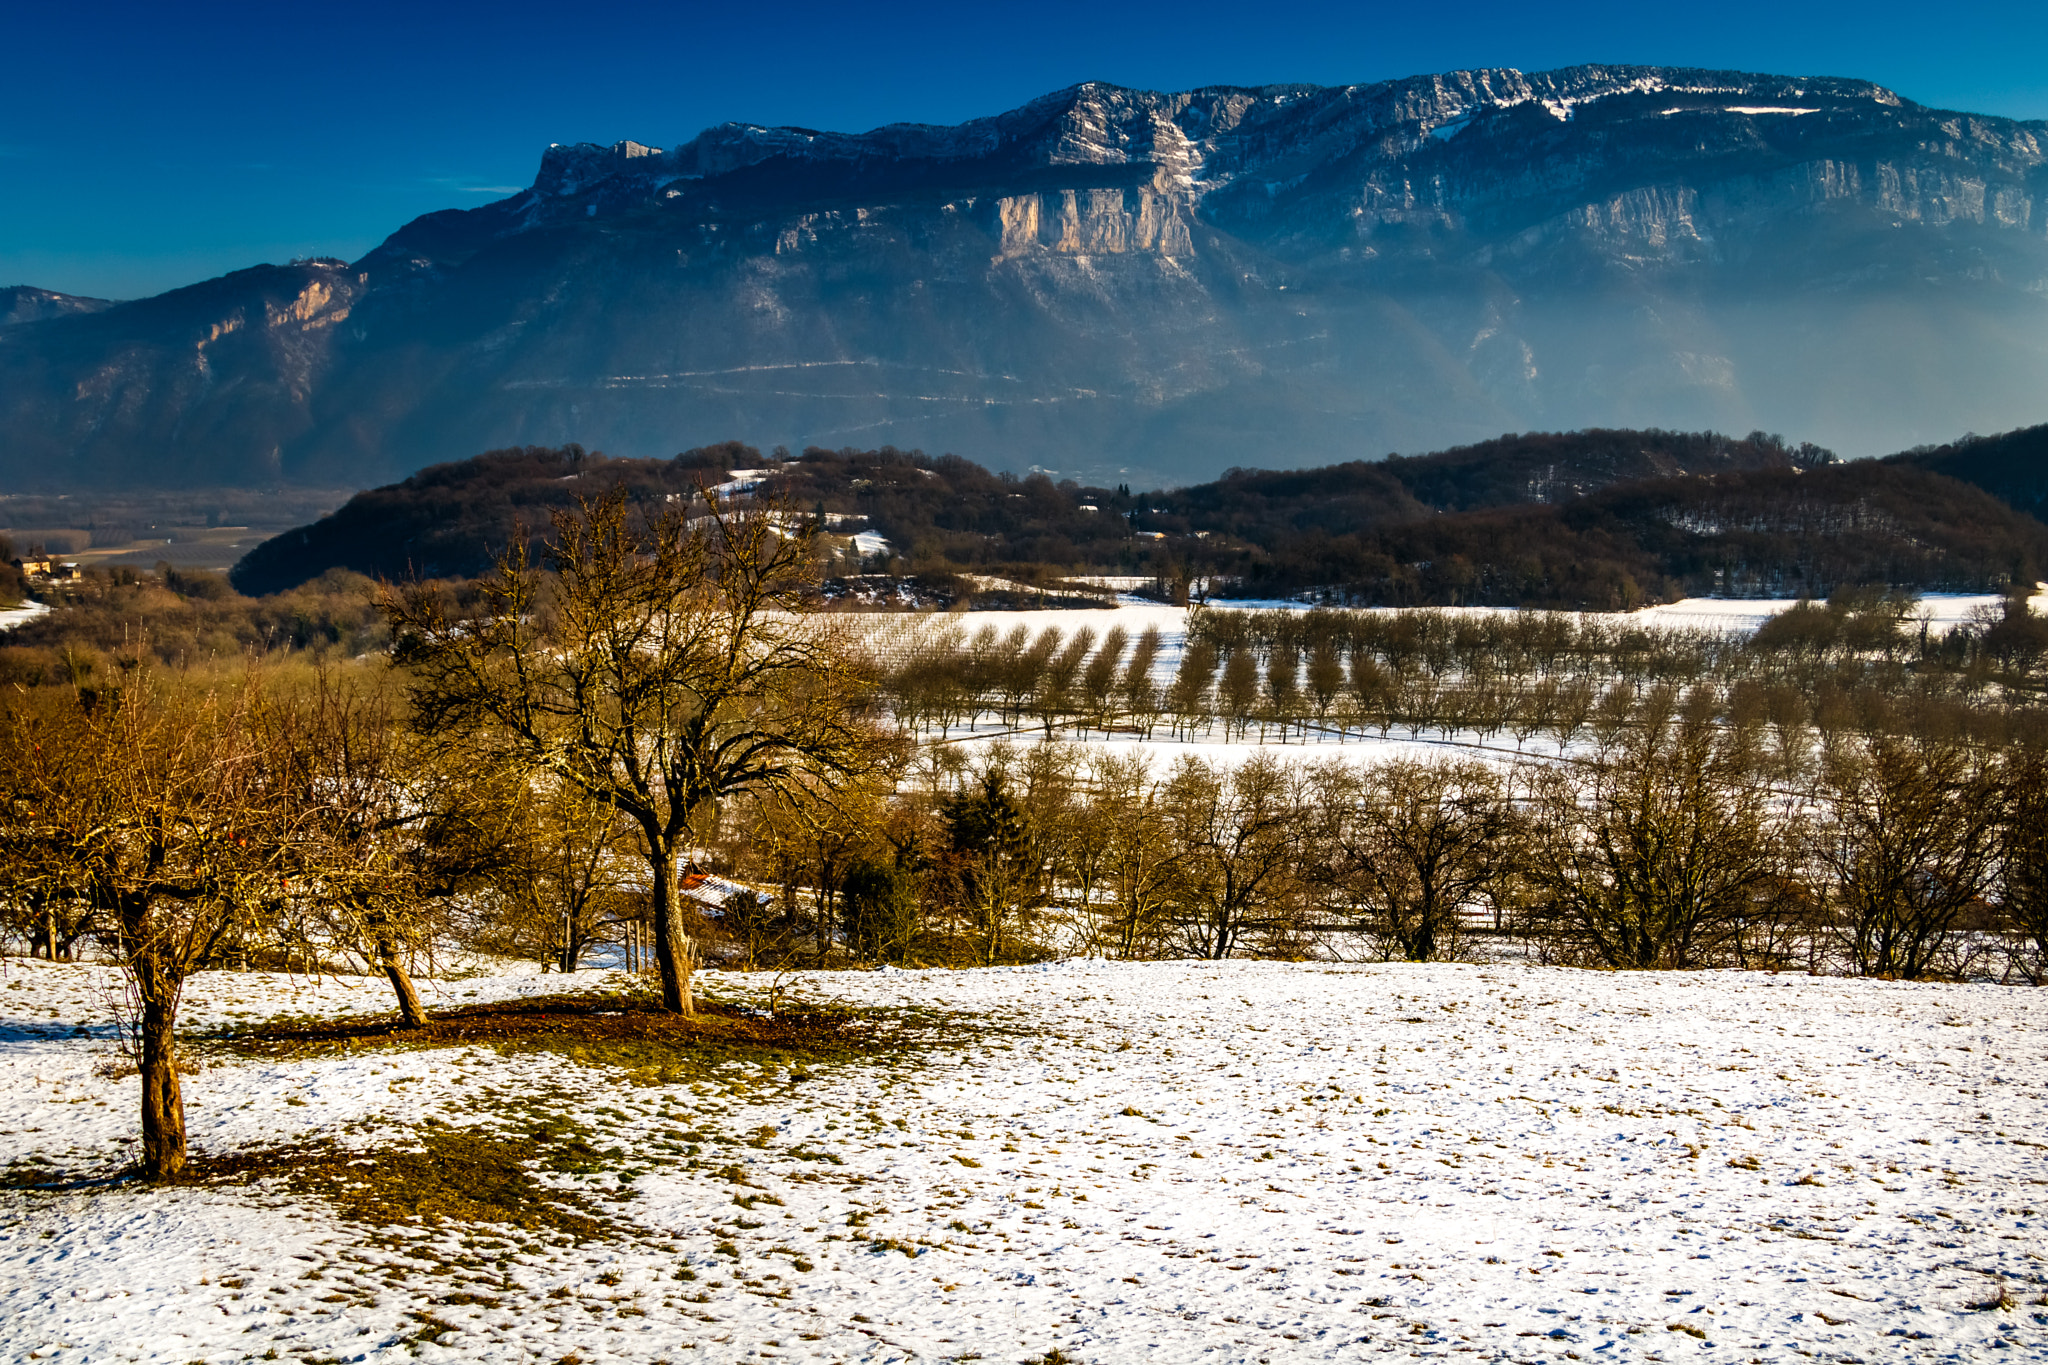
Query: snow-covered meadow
[1118, 1162]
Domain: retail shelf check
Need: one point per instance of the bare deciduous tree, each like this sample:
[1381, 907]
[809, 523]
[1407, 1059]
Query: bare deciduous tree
[156, 802]
[1238, 837]
[1650, 857]
[1407, 845]
[2023, 879]
[1141, 866]
[1187, 696]
[390, 837]
[1908, 844]
[671, 667]
[1136, 693]
[570, 884]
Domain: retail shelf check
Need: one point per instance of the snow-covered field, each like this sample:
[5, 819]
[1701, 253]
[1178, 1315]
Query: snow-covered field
[10, 617]
[1169, 1162]
[1943, 611]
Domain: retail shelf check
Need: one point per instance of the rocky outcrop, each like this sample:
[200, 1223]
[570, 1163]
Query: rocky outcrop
[1095, 223]
[1134, 285]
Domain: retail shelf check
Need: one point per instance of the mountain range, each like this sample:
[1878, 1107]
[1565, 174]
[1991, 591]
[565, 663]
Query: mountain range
[1121, 286]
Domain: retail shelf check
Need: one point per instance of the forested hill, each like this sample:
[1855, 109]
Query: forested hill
[1264, 506]
[1598, 519]
[1750, 533]
[2012, 466]
[451, 520]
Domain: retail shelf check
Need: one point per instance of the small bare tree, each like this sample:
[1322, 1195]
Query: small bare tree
[1141, 867]
[391, 837]
[2023, 863]
[1237, 693]
[1099, 679]
[1188, 697]
[1654, 857]
[1136, 693]
[1238, 836]
[571, 881]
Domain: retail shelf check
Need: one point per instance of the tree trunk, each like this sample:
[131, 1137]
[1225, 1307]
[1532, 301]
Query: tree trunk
[392, 960]
[1422, 947]
[673, 951]
[163, 1104]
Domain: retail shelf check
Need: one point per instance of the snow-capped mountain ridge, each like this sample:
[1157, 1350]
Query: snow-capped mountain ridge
[1138, 285]
[1332, 165]
[1226, 130]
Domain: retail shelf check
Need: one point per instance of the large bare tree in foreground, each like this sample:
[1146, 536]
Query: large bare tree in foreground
[156, 805]
[665, 666]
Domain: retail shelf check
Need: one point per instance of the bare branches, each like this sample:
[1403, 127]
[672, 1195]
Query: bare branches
[1654, 857]
[667, 667]
[1407, 847]
[160, 806]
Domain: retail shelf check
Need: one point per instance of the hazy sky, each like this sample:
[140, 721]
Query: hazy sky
[148, 146]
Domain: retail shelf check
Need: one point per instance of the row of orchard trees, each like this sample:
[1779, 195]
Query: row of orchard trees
[549, 751]
[1874, 629]
[1556, 678]
[1902, 859]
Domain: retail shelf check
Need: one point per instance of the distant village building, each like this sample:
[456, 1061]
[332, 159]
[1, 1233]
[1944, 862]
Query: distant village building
[49, 570]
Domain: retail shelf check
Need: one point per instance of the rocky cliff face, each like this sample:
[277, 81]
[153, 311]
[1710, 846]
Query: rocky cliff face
[1131, 285]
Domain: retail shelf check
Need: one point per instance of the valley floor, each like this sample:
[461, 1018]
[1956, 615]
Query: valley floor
[1117, 1162]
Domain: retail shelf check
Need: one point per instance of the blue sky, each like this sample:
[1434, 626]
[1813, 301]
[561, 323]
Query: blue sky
[147, 146]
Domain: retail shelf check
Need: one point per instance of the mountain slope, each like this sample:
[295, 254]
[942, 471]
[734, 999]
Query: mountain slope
[1130, 285]
[25, 303]
[210, 384]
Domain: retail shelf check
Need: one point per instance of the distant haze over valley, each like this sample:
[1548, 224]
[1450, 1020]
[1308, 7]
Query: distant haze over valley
[1122, 286]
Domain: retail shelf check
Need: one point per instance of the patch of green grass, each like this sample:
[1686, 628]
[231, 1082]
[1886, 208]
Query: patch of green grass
[434, 1175]
[725, 1046]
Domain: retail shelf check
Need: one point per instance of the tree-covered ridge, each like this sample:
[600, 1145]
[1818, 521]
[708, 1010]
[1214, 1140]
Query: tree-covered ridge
[1597, 519]
[1758, 533]
[2012, 466]
[453, 520]
[1533, 467]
